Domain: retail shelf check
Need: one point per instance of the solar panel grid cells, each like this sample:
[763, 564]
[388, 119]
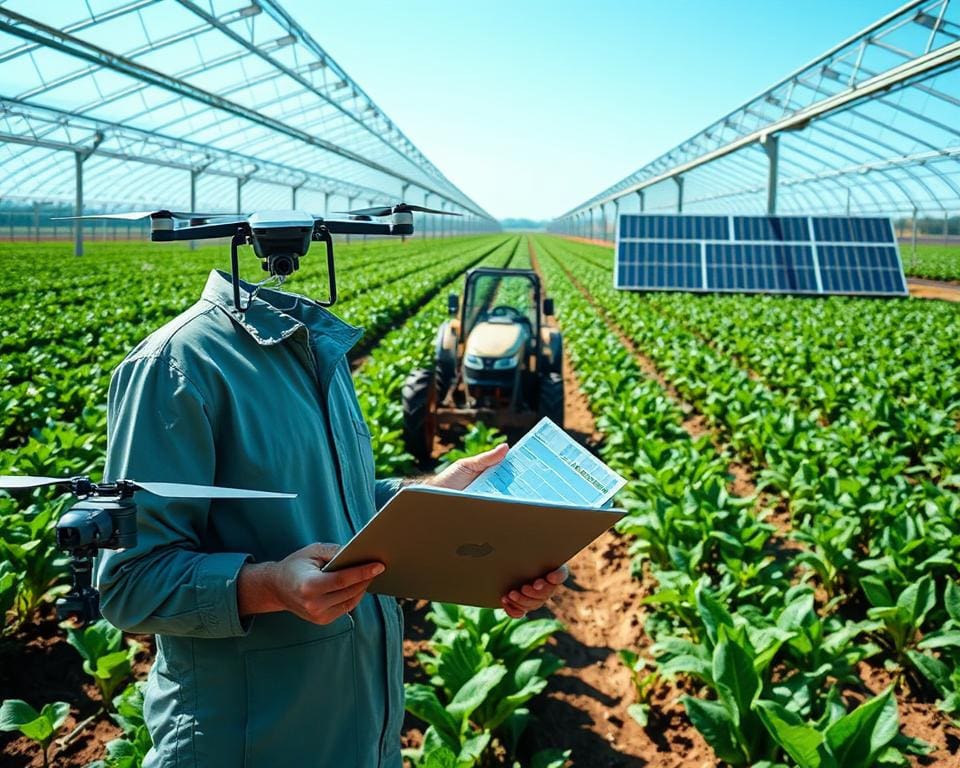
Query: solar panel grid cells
[860, 269]
[760, 267]
[791, 229]
[832, 229]
[766, 254]
[652, 266]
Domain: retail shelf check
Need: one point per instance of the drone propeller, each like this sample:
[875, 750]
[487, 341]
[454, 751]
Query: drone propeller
[84, 487]
[136, 215]
[388, 210]
[184, 491]
[18, 482]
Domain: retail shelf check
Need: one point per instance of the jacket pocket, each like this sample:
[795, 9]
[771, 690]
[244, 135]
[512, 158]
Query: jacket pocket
[302, 704]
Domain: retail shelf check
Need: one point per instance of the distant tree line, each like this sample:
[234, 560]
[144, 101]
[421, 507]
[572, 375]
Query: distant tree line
[929, 225]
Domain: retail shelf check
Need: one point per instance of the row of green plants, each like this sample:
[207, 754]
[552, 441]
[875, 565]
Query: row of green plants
[380, 292]
[864, 517]
[108, 659]
[776, 664]
[932, 260]
[34, 568]
[905, 355]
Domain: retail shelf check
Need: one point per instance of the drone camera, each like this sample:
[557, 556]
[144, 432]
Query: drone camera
[280, 238]
[98, 524]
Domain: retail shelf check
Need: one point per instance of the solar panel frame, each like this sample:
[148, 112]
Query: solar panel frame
[887, 280]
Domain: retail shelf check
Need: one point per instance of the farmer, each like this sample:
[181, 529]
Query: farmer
[262, 659]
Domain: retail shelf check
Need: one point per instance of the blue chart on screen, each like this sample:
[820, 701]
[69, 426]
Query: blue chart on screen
[759, 254]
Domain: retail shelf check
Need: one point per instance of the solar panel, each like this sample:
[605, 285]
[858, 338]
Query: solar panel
[758, 254]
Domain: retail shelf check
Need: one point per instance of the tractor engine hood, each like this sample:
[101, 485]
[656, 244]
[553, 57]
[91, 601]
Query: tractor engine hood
[493, 339]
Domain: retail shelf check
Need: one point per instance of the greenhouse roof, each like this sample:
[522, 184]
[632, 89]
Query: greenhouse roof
[232, 90]
[871, 126]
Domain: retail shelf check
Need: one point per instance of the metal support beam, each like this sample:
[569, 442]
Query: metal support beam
[78, 206]
[194, 173]
[940, 60]
[349, 208]
[326, 205]
[293, 194]
[603, 221]
[616, 219]
[591, 223]
[80, 157]
[679, 182]
[771, 144]
[27, 28]
[403, 196]
[913, 240]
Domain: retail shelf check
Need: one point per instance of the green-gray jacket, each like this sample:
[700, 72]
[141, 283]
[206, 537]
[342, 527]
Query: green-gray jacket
[263, 401]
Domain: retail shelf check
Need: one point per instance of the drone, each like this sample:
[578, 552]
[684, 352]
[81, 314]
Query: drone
[279, 238]
[105, 517]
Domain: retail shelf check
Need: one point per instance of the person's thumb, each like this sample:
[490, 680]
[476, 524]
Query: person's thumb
[321, 551]
[486, 459]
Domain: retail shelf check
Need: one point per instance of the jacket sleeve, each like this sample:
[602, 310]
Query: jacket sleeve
[158, 429]
[386, 489]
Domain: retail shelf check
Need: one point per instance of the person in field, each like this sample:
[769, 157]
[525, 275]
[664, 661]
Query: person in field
[262, 659]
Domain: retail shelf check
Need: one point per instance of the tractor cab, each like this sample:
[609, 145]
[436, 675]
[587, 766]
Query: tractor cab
[499, 358]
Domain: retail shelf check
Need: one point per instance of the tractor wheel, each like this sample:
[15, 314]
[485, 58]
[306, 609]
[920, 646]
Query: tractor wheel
[446, 370]
[551, 397]
[556, 352]
[420, 414]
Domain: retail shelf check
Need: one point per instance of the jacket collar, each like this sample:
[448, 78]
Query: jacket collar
[274, 316]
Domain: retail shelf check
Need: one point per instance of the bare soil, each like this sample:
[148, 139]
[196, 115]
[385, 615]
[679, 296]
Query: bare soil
[933, 289]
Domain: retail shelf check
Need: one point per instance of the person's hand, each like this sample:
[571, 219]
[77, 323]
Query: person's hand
[297, 584]
[461, 473]
[518, 602]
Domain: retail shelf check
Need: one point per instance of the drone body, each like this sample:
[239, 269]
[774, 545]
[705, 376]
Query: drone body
[279, 238]
[105, 517]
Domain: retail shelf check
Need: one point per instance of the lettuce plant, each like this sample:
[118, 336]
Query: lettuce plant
[17, 715]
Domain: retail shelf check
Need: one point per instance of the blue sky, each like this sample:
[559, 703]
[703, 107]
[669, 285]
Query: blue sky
[531, 107]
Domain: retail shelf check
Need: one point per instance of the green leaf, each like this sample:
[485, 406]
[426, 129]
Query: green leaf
[475, 691]
[640, 713]
[473, 749]
[876, 591]
[713, 721]
[17, 715]
[736, 680]
[798, 739]
[856, 739]
[917, 599]
[422, 702]
[951, 599]
[712, 613]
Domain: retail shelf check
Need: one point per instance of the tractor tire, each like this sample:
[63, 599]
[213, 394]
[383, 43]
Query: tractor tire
[446, 364]
[420, 414]
[551, 398]
[556, 353]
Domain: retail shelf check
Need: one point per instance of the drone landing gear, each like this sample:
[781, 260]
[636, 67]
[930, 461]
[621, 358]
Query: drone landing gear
[279, 264]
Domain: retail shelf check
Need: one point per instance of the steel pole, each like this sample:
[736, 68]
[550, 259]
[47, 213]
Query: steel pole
[616, 219]
[642, 196]
[78, 206]
[193, 200]
[771, 143]
[679, 181]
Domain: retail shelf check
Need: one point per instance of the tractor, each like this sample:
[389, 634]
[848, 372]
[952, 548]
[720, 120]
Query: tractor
[498, 359]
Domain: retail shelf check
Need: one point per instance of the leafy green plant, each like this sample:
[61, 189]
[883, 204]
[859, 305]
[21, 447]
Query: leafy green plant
[479, 438]
[858, 739]
[129, 751]
[644, 683]
[17, 715]
[486, 667]
[104, 657]
[901, 617]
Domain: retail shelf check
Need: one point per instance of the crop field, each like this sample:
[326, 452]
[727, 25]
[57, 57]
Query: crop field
[783, 591]
[938, 262]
